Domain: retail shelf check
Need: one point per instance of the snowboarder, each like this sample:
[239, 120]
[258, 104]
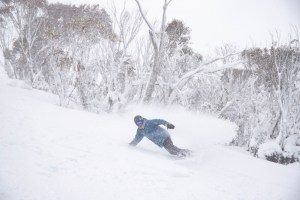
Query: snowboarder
[157, 134]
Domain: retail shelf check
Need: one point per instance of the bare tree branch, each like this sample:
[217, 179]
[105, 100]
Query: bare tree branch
[163, 25]
[144, 16]
[169, 2]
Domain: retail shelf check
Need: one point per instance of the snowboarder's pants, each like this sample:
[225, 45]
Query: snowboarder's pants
[171, 148]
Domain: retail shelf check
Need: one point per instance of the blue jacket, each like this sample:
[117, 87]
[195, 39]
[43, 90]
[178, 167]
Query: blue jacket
[152, 131]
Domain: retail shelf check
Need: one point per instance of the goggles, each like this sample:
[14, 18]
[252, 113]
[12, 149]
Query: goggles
[140, 122]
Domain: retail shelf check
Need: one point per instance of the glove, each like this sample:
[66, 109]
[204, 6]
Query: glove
[170, 126]
[132, 144]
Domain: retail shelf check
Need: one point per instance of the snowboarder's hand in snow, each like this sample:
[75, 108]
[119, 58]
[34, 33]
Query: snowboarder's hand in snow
[170, 126]
[131, 144]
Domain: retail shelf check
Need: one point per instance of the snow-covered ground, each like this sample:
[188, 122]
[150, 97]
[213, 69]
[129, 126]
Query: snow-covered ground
[52, 153]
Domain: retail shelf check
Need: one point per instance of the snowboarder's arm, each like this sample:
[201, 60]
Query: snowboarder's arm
[159, 122]
[162, 122]
[138, 137]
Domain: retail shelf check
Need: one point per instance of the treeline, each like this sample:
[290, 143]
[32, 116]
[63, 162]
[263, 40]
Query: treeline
[94, 60]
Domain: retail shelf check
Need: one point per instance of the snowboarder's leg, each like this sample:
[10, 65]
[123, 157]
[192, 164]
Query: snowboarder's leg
[172, 149]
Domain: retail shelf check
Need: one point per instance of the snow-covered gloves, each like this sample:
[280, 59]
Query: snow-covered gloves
[170, 126]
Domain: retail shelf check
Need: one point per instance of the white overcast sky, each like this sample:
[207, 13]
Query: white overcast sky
[215, 22]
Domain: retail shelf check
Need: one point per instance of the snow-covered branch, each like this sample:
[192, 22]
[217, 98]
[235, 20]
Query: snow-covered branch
[203, 66]
[238, 64]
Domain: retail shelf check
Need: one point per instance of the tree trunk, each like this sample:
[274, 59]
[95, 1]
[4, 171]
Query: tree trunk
[152, 80]
[158, 46]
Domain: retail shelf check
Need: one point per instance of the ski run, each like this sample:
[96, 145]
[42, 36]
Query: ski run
[48, 152]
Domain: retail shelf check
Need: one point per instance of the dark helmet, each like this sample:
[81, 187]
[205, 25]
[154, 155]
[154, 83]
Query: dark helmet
[138, 120]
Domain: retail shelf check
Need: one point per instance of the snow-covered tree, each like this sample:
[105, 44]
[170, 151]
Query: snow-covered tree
[158, 40]
[83, 34]
[26, 16]
[278, 70]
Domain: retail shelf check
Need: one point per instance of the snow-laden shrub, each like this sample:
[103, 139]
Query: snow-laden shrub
[271, 151]
[268, 149]
[292, 146]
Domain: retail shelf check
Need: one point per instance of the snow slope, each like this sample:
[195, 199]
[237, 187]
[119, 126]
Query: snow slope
[52, 153]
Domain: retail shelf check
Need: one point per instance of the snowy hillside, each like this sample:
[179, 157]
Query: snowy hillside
[48, 152]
